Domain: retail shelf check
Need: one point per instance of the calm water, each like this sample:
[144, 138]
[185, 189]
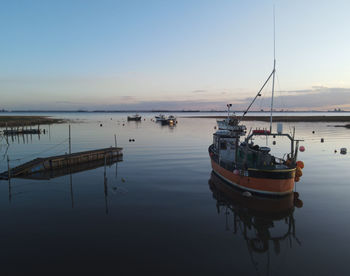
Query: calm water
[159, 214]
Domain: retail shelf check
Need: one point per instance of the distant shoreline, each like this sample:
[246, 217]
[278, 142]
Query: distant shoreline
[167, 111]
[21, 121]
[284, 118]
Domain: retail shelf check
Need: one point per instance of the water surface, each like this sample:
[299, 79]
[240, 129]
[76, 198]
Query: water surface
[156, 213]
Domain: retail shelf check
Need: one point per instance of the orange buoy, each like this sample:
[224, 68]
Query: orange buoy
[298, 172]
[300, 164]
[298, 203]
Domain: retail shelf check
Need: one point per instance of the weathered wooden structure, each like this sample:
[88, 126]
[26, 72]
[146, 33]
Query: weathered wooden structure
[21, 131]
[72, 169]
[62, 161]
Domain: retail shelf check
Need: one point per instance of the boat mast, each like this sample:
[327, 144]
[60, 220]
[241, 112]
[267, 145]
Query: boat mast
[228, 110]
[274, 68]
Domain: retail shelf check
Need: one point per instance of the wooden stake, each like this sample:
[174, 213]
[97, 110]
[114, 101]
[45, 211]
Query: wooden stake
[8, 167]
[70, 142]
[9, 177]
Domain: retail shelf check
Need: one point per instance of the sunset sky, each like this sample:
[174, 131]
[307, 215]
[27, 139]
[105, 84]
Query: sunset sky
[70, 55]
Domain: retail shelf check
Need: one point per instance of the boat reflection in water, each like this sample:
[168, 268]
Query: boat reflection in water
[257, 219]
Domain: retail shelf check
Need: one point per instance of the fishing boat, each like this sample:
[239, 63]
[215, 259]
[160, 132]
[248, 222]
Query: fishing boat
[170, 120]
[160, 117]
[172, 117]
[250, 167]
[135, 117]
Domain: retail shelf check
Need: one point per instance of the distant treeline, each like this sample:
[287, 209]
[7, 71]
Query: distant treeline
[166, 111]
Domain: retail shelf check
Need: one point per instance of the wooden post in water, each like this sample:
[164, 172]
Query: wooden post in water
[105, 186]
[7, 139]
[116, 163]
[8, 167]
[71, 188]
[9, 177]
[106, 194]
[70, 142]
[105, 165]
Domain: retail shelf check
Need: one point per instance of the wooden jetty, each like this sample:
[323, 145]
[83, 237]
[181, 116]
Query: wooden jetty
[21, 131]
[62, 161]
[72, 169]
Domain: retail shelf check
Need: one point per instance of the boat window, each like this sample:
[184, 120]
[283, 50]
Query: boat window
[222, 145]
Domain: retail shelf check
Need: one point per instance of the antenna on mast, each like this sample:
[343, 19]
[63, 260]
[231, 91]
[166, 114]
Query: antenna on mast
[271, 75]
[274, 66]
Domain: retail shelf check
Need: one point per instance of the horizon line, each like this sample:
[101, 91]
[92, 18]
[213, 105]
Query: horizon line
[167, 110]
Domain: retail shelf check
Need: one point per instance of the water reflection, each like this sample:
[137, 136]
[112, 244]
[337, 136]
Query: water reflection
[73, 169]
[263, 223]
[22, 136]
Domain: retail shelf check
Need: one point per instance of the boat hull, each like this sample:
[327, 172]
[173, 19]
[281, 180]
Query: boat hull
[261, 206]
[279, 185]
[134, 118]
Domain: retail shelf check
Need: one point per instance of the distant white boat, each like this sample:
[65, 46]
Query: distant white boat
[170, 120]
[160, 117]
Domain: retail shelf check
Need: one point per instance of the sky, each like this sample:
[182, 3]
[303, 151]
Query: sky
[183, 54]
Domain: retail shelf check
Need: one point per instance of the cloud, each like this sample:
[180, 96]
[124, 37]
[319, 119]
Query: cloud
[127, 99]
[314, 98]
[199, 91]
[68, 102]
[318, 97]
[301, 91]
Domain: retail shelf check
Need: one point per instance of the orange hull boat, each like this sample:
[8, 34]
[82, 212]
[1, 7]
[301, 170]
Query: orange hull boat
[268, 182]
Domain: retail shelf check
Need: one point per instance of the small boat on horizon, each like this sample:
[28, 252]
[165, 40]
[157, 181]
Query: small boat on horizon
[160, 117]
[170, 120]
[135, 117]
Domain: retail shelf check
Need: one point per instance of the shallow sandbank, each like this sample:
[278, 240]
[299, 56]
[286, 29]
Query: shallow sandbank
[19, 121]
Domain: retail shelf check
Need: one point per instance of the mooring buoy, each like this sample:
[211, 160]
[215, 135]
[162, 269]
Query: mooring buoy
[247, 194]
